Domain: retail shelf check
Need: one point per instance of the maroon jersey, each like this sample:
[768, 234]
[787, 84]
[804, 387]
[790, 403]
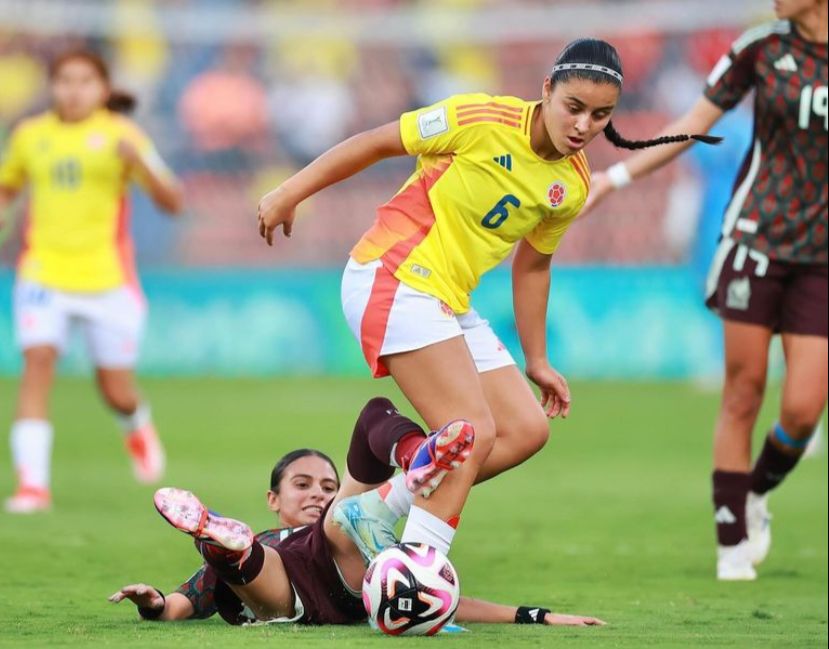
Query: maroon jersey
[779, 203]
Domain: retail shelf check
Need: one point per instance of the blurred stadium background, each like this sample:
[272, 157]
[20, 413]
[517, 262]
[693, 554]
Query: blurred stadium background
[240, 94]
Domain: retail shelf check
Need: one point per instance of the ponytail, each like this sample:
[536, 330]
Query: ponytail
[121, 102]
[613, 136]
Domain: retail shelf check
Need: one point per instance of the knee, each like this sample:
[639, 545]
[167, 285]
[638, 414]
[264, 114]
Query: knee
[743, 394]
[484, 437]
[799, 418]
[39, 361]
[528, 435]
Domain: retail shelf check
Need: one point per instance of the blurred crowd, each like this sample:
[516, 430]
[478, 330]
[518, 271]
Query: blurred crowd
[233, 117]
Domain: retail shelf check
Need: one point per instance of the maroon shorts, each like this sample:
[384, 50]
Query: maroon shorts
[746, 286]
[307, 559]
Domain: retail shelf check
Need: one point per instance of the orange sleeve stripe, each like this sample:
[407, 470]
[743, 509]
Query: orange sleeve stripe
[487, 111]
[494, 104]
[580, 162]
[496, 120]
[580, 172]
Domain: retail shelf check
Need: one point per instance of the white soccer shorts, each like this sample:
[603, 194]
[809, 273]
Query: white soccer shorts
[112, 321]
[389, 317]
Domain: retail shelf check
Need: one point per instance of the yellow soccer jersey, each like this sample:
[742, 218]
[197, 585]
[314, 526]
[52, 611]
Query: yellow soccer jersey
[477, 190]
[77, 235]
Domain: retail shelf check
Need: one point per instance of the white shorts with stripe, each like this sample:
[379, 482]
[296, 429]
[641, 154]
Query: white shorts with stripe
[389, 317]
[112, 321]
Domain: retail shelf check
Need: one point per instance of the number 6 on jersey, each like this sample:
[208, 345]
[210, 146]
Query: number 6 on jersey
[498, 214]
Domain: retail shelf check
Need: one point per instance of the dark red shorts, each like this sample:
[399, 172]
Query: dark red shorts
[746, 286]
[313, 574]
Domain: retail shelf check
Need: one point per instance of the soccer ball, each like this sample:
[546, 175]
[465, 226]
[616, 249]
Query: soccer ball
[410, 589]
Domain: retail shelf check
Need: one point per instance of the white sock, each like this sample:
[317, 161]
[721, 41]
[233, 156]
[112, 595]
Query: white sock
[399, 499]
[137, 420]
[423, 527]
[31, 442]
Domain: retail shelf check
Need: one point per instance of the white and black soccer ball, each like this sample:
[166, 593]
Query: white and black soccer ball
[410, 589]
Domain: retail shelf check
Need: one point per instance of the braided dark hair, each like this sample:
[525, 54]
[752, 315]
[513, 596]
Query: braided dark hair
[599, 53]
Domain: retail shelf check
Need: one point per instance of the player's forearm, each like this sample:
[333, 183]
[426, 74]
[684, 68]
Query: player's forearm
[478, 610]
[530, 292]
[7, 196]
[176, 607]
[344, 160]
[697, 121]
[163, 187]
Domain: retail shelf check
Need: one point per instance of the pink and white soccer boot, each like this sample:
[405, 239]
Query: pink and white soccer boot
[186, 513]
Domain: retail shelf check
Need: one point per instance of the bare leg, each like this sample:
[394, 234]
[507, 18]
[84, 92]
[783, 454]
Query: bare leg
[36, 382]
[118, 389]
[269, 595]
[746, 363]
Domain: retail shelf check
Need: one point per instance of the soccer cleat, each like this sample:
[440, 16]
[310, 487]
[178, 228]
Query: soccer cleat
[147, 453]
[368, 522]
[734, 563]
[439, 454]
[758, 523]
[186, 513]
[29, 500]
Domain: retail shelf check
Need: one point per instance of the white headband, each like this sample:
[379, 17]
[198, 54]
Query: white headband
[587, 66]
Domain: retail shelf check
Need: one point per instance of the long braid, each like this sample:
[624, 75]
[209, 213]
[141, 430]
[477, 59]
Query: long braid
[613, 136]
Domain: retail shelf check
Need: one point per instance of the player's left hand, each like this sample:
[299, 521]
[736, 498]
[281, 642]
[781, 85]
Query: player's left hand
[141, 595]
[128, 152]
[555, 393]
[572, 620]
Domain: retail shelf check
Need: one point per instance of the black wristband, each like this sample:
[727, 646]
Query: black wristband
[153, 613]
[530, 615]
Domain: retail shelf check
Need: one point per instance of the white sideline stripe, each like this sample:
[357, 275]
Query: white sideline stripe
[739, 198]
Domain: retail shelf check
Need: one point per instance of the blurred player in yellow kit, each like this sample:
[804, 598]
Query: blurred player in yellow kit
[77, 263]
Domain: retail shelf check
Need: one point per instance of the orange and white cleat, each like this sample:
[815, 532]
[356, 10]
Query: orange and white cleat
[29, 500]
[147, 453]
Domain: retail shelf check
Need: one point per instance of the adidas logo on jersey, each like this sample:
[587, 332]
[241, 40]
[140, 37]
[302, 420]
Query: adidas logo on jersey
[725, 515]
[504, 160]
[786, 64]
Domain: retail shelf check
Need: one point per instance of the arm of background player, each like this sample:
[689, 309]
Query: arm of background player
[338, 163]
[478, 610]
[530, 291]
[159, 182]
[699, 119]
[7, 196]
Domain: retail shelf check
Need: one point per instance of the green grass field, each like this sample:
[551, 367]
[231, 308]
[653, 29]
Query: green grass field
[612, 519]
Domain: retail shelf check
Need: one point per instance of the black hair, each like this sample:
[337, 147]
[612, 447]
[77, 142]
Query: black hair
[289, 458]
[118, 100]
[601, 54]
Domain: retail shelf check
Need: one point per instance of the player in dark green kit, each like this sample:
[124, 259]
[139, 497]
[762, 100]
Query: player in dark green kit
[770, 272]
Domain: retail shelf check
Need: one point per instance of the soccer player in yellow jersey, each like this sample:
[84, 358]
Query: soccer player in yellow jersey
[77, 263]
[493, 174]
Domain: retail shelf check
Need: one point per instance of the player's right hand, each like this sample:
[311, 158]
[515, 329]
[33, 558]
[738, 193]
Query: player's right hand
[141, 595]
[275, 209]
[600, 187]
